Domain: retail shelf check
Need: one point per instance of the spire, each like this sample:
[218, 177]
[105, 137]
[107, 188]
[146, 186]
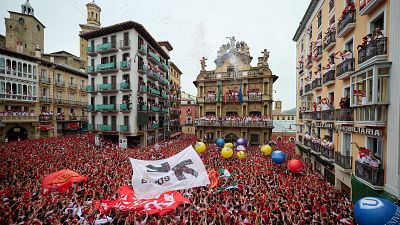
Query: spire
[27, 8]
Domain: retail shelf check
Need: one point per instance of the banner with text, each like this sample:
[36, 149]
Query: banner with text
[181, 171]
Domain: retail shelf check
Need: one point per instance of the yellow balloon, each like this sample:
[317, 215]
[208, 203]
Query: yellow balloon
[241, 155]
[226, 152]
[229, 145]
[266, 150]
[200, 147]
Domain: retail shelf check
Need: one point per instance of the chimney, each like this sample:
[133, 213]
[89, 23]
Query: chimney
[278, 106]
[38, 52]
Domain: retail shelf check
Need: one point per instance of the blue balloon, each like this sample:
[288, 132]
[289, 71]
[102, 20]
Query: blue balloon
[376, 211]
[241, 141]
[278, 157]
[220, 142]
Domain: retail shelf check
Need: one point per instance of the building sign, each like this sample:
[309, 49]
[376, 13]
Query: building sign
[123, 143]
[323, 125]
[360, 130]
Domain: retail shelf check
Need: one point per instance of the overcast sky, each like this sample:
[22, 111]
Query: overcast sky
[194, 28]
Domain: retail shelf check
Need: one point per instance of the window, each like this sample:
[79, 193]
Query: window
[378, 22]
[349, 45]
[59, 94]
[346, 144]
[21, 21]
[72, 110]
[72, 96]
[105, 40]
[231, 69]
[59, 110]
[44, 74]
[71, 80]
[105, 120]
[59, 77]
[375, 145]
[105, 100]
[319, 18]
[38, 27]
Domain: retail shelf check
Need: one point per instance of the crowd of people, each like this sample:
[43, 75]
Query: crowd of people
[269, 194]
[255, 120]
[17, 113]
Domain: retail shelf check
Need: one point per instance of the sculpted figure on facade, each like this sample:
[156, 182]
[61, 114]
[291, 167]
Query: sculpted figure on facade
[203, 63]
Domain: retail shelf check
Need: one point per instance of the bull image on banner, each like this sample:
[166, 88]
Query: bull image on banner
[181, 171]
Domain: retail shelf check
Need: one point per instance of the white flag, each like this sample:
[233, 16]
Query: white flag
[181, 171]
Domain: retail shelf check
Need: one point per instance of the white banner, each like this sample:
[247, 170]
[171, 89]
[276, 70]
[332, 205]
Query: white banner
[181, 171]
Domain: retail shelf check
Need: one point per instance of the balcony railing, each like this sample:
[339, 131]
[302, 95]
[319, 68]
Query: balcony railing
[164, 67]
[327, 115]
[317, 83]
[307, 88]
[155, 109]
[45, 99]
[108, 107]
[164, 110]
[316, 115]
[330, 41]
[343, 161]
[254, 97]
[44, 118]
[231, 123]
[328, 77]
[142, 68]
[344, 114]
[316, 146]
[106, 87]
[124, 65]
[374, 48]
[104, 127]
[345, 67]
[90, 108]
[308, 143]
[154, 91]
[374, 176]
[143, 88]
[210, 98]
[164, 95]
[106, 66]
[124, 128]
[59, 82]
[154, 57]
[307, 115]
[16, 119]
[142, 108]
[90, 50]
[124, 86]
[90, 126]
[106, 46]
[328, 153]
[90, 69]
[45, 80]
[349, 18]
[72, 85]
[142, 49]
[91, 88]
[123, 107]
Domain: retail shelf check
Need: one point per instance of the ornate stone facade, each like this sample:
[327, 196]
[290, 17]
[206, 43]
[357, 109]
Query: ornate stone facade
[235, 89]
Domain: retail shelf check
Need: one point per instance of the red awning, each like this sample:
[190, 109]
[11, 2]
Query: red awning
[45, 127]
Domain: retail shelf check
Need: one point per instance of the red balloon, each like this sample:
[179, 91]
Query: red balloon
[294, 165]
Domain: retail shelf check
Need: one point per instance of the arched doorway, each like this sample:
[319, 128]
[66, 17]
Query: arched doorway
[231, 138]
[15, 132]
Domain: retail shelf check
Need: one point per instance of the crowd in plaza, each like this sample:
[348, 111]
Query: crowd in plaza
[269, 195]
[234, 120]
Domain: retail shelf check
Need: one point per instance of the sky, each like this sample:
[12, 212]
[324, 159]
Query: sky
[194, 28]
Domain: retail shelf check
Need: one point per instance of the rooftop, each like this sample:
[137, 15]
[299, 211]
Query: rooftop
[306, 17]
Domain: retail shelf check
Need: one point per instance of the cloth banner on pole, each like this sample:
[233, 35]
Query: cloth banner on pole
[182, 171]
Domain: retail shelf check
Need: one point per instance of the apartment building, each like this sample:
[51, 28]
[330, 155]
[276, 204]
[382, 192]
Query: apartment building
[128, 84]
[175, 99]
[347, 89]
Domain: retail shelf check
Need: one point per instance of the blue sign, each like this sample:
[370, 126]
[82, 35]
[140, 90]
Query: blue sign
[376, 211]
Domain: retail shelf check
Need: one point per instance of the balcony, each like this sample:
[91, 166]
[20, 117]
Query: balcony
[344, 162]
[164, 81]
[91, 89]
[164, 67]
[143, 88]
[318, 54]
[142, 108]
[154, 58]
[347, 24]
[231, 123]
[72, 85]
[307, 89]
[329, 78]
[316, 115]
[90, 70]
[90, 51]
[83, 88]
[142, 69]
[107, 68]
[369, 6]
[327, 115]
[45, 118]
[331, 5]
[309, 63]
[153, 75]
[154, 91]
[254, 96]
[371, 115]
[108, 47]
[18, 119]
[125, 44]
[344, 69]
[328, 153]
[164, 110]
[108, 107]
[107, 88]
[124, 87]
[44, 80]
[45, 100]
[142, 49]
[90, 108]
[373, 177]
[124, 128]
[155, 126]
[316, 147]
[330, 41]
[124, 65]
[90, 127]
[317, 84]
[344, 115]
[155, 109]
[308, 143]
[307, 115]
[59, 83]
[124, 107]
[164, 95]
[104, 127]
[376, 50]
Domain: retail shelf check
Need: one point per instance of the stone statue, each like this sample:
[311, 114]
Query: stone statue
[232, 41]
[244, 48]
[265, 56]
[203, 63]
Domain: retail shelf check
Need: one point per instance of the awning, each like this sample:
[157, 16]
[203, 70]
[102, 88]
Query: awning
[45, 127]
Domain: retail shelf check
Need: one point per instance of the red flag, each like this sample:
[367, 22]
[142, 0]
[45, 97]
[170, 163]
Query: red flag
[127, 201]
[62, 180]
[213, 176]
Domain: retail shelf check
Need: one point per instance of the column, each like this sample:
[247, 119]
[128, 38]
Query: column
[393, 128]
